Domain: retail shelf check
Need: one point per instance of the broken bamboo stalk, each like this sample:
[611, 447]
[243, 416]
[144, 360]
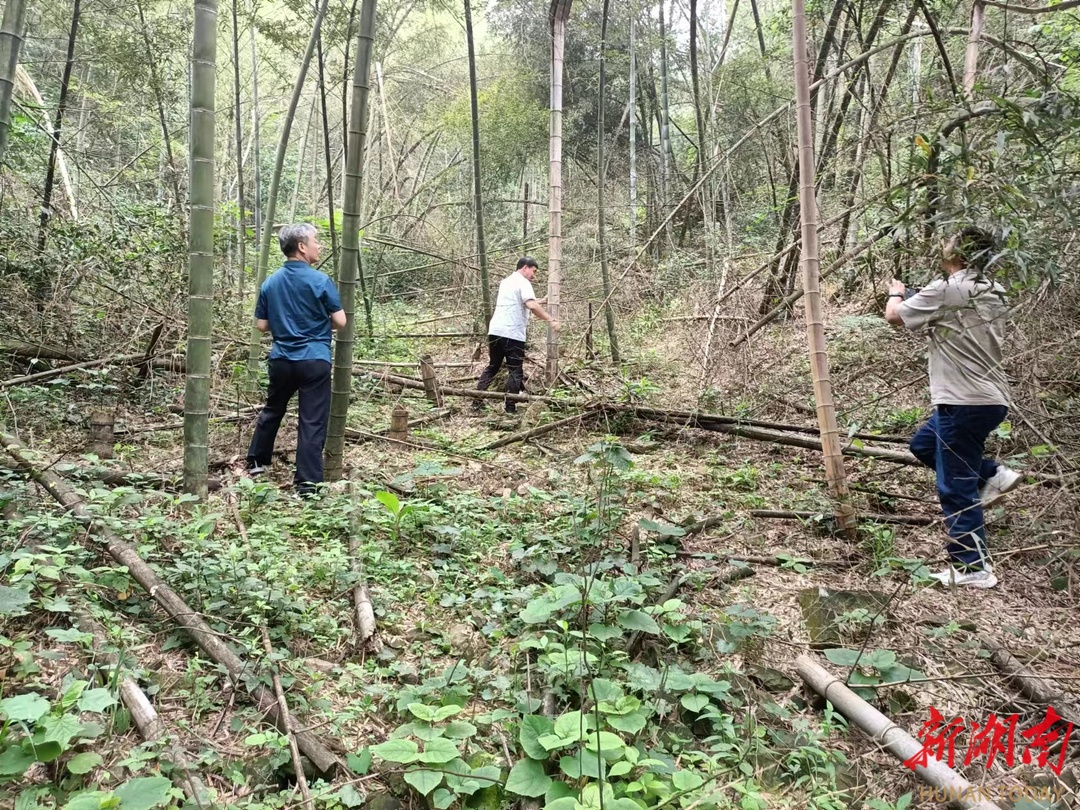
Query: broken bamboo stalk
[784, 514]
[431, 381]
[42, 376]
[538, 431]
[210, 642]
[365, 613]
[286, 717]
[36, 351]
[1031, 686]
[146, 718]
[734, 428]
[888, 735]
[472, 393]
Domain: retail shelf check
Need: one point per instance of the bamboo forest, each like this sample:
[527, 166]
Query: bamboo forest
[540, 404]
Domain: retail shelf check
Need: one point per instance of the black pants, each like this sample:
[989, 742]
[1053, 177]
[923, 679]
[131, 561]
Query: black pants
[513, 351]
[311, 378]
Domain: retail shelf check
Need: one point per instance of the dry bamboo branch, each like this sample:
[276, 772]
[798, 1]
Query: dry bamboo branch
[324, 760]
[539, 431]
[472, 393]
[783, 514]
[150, 725]
[1030, 685]
[41, 376]
[286, 718]
[888, 735]
[365, 614]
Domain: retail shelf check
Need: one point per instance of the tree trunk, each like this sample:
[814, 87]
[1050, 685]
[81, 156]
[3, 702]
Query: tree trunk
[255, 343]
[256, 154]
[971, 55]
[300, 159]
[633, 133]
[665, 124]
[11, 38]
[815, 330]
[560, 12]
[605, 275]
[329, 157]
[200, 249]
[350, 244]
[241, 215]
[698, 115]
[50, 170]
[478, 198]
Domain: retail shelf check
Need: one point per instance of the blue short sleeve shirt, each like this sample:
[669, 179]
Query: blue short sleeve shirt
[298, 300]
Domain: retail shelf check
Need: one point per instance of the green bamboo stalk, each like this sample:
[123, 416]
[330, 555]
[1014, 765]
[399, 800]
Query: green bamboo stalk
[255, 343]
[601, 237]
[341, 382]
[200, 248]
[11, 37]
[478, 198]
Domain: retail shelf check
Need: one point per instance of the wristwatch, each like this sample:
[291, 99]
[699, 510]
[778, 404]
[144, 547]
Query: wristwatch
[896, 295]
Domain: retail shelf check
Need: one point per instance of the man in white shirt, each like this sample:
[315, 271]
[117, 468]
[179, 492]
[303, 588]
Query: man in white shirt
[506, 332]
[964, 316]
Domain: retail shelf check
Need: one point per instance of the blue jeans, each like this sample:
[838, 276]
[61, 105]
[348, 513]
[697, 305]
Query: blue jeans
[951, 444]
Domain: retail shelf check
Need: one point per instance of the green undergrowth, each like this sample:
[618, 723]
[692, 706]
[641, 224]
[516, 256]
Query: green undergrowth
[525, 655]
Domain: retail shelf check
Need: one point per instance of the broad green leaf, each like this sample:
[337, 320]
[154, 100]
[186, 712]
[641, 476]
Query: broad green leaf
[565, 803]
[694, 702]
[622, 804]
[627, 723]
[390, 501]
[620, 768]
[664, 529]
[421, 711]
[144, 792]
[426, 731]
[350, 797]
[71, 694]
[527, 778]
[403, 751]
[91, 800]
[881, 659]
[96, 700]
[424, 781]
[537, 611]
[439, 752]
[571, 726]
[604, 691]
[639, 620]
[84, 762]
[678, 681]
[534, 726]
[686, 780]
[445, 712]
[60, 730]
[459, 730]
[553, 742]
[14, 761]
[577, 765]
[360, 763]
[442, 798]
[606, 742]
[841, 656]
[28, 707]
[643, 677]
[13, 601]
[68, 635]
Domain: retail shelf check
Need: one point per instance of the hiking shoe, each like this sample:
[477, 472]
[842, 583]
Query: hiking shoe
[982, 578]
[255, 470]
[998, 485]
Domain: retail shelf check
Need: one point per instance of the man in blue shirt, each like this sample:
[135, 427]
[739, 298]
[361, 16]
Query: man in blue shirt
[299, 306]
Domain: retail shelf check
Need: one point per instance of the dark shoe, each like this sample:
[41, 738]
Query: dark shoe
[254, 469]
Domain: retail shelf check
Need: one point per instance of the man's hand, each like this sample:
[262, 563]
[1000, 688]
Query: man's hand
[897, 291]
[897, 287]
[541, 301]
[555, 325]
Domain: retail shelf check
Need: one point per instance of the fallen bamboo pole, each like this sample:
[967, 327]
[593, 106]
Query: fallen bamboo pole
[1031, 686]
[286, 717]
[783, 514]
[888, 735]
[35, 351]
[409, 364]
[365, 613]
[324, 760]
[472, 393]
[713, 423]
[538, 431]
[146, 718]
[132, 478]
[42, 376]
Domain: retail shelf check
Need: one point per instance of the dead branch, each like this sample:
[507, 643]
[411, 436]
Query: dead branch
[41, 376]
[783, 514]
[472, 393]
[365, 614]
[323, 758]
[150, 725]
[34, 351]
[1030, 685]
[539, 431]
[283, 708]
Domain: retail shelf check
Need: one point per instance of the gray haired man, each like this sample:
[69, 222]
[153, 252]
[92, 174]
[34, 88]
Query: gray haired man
[299, 306]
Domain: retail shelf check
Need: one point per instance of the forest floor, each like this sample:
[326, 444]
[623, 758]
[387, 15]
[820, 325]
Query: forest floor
[559, 566]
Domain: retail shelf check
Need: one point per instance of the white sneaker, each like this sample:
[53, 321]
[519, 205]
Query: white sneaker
[1000, 483]
[982, 579]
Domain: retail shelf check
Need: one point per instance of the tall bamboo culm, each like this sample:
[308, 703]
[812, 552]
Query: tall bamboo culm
[560, 12]
[601, 201]
[341, 382]
[200, 248]
[11, 37]
[266, 237]
[815, 329]
[478, 197]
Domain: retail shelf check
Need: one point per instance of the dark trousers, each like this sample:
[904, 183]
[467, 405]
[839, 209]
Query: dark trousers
[311, 378]
[952, 444]
[513, 352]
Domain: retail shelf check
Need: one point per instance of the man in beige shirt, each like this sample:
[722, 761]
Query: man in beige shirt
[964, 316]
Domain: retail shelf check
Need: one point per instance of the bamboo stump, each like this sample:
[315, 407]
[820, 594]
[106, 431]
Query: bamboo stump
[431, 382]
[102, 425]
[399, 423]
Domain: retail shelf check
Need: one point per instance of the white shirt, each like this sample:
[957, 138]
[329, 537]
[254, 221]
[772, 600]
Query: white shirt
[511, 316]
